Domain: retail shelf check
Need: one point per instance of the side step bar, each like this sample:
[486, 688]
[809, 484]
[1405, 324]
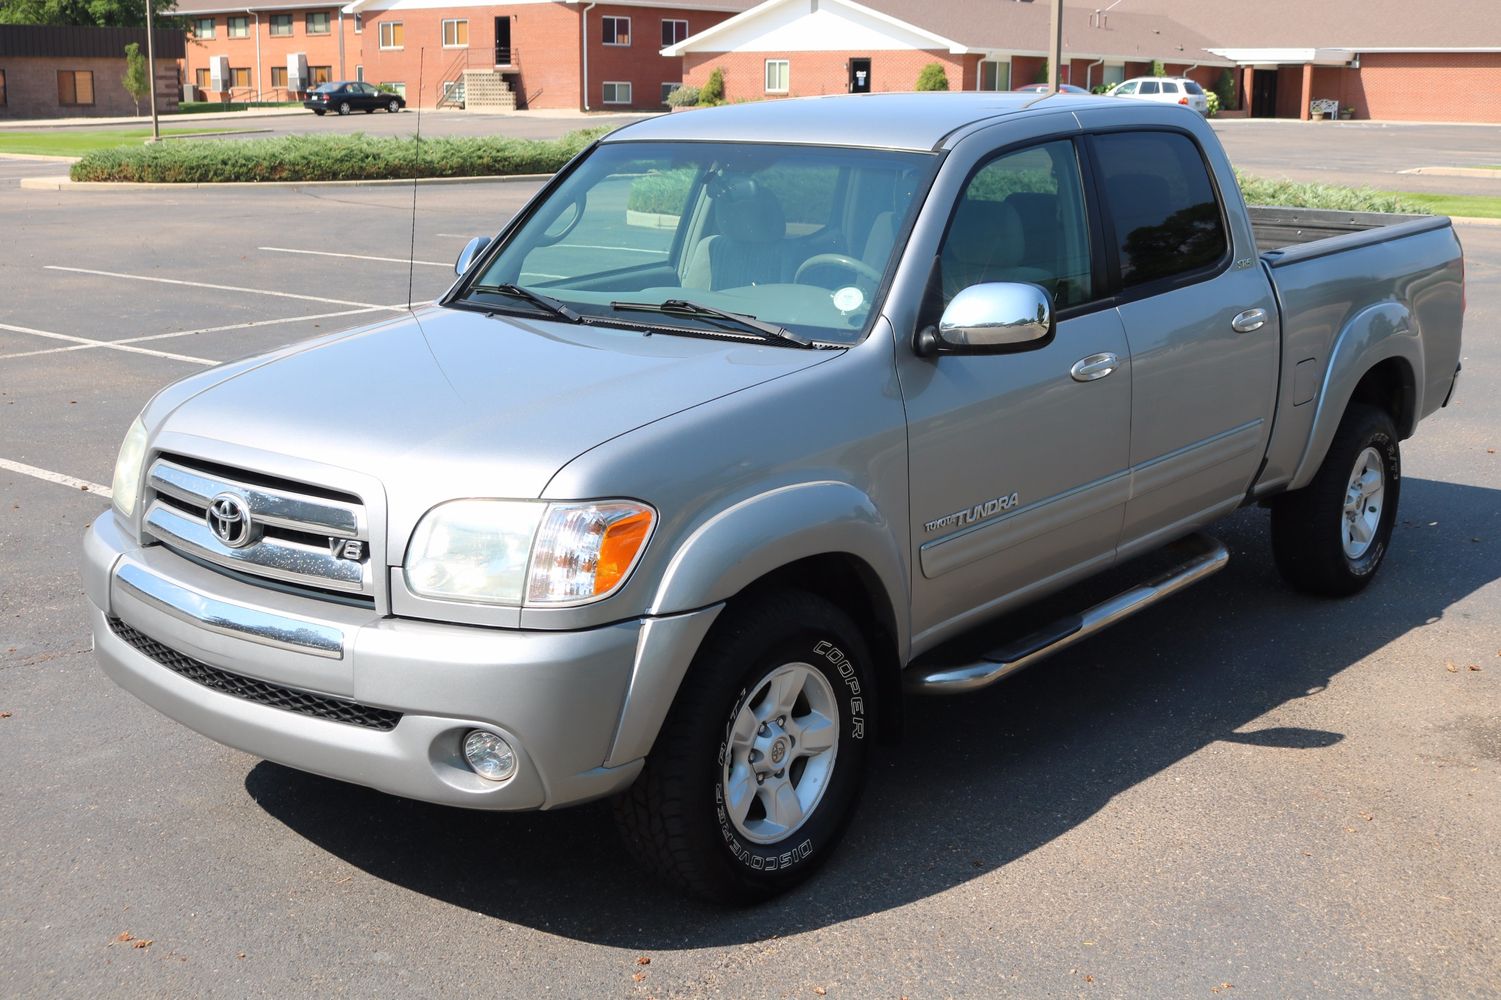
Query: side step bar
[1205, 557]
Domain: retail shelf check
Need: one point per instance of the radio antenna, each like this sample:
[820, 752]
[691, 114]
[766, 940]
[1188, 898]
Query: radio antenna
[416, 169]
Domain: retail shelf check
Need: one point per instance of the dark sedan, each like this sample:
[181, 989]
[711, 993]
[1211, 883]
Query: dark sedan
[351, 95]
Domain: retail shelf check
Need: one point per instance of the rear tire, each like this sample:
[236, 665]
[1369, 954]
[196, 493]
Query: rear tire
[344, 108]
[319, 113]
[1330, 537]
[780, 691]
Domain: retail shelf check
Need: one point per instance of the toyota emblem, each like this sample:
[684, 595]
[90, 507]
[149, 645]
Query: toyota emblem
[229, 519]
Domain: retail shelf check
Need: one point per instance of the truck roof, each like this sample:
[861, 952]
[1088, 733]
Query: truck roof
[879, 121]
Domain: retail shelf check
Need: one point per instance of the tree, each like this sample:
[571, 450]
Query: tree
[1226, 90]
[713, 90]
[1158, 69]
[137, 78]
[933, 77]
[98, 13]
[1042, 73]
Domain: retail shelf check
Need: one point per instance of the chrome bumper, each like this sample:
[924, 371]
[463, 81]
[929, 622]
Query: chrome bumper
[560, 698]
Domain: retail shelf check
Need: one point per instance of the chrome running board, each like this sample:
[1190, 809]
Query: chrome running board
[1205, 557]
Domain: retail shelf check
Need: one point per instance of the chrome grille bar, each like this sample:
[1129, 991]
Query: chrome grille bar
[299, 531]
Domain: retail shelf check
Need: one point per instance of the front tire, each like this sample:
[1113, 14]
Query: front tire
[1330, 537]
[393, 107]
[759, 765]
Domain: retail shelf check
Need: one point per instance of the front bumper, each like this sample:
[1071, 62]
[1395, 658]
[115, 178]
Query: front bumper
[557, 697]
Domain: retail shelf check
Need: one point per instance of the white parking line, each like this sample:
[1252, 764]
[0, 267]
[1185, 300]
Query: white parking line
[224, 288]
[123, 343]
[358, 256]
[56, 477]
[86, 342]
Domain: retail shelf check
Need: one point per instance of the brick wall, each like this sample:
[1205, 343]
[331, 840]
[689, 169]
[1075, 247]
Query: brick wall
[814, 73]
[1416, 86]
[321, 50]
[31, 87]
[640, 63]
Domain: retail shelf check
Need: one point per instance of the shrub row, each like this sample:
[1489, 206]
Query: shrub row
[329, 158]
[1291, 194]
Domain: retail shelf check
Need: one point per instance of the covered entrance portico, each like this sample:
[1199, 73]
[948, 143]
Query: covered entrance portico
[1284, 83]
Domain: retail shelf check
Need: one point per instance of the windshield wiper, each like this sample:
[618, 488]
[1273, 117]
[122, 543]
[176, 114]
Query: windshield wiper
[547, 302]
[682, 307]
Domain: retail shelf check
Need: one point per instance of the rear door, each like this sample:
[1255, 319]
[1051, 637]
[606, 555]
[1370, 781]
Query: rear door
[1202, 326]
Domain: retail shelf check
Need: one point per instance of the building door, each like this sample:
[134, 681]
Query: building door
[859, 76]
[1264, 93]
[503, 41]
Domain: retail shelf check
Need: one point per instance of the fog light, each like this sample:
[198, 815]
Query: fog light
[489, 755]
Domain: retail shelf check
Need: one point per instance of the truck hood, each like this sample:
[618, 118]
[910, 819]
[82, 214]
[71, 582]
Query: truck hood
[460, 404]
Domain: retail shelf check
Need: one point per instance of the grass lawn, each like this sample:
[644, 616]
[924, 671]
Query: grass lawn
[215, 107]
[57, 143]
[1474, 206]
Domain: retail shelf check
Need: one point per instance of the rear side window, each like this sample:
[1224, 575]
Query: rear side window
[1168, 87]
[1149, 87]
[1160, 200]
[1192, 88]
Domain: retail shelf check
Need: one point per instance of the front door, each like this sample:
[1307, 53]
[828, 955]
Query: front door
[1264, 93]
[859, 76]
[1017, 465]
[1203, 332]
[502, 41]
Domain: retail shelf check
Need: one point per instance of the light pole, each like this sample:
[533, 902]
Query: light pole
[156, 129]
[1055, 47]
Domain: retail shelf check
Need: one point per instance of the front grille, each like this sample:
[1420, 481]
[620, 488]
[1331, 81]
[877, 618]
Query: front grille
[302, 536]
[261, 692]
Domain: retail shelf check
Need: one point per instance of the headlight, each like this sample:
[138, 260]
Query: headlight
[127, 482]
[523, 551]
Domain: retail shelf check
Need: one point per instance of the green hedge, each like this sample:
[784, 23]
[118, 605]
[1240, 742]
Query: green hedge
[213, 107]
[1291, 194]
[330, 158]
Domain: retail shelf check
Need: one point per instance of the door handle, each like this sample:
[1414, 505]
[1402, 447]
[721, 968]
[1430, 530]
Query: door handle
[1093, 367]
[1249, 321]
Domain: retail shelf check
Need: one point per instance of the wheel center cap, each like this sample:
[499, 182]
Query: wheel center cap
[778, 750]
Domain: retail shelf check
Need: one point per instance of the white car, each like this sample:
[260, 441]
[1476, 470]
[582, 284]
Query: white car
[1165, 90]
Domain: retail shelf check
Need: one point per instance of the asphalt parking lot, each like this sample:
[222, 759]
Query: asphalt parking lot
[1243, 793]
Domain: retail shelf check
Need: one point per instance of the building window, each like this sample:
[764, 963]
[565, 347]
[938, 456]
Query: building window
[455, 33]
[281, 24]
[616, 31]
[392, 35]
[200, 79]
[359, 24]
[239, 27]
[317, 22]
[2, 88]
[279, 77]
[778, 73]
[617, 93]
[321, 74]
[673, 31]
[995, 75]
[240, 78]
[75, 87]
[359, 73]
[400, 88]
[203, 27]
[667, 89]
[1113, 73]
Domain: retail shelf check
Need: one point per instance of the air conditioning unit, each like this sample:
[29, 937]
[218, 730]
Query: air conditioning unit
[297, 76]
[218, 73]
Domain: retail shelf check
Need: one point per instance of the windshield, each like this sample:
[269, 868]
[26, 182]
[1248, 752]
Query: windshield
[796, 236]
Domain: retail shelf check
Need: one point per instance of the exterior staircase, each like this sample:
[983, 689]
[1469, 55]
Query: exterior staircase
[487, 90]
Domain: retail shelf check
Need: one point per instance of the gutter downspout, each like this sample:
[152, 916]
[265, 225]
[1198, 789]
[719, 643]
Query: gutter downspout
[257, 17]
[1089, 72]
[342, 74]
[584, 41]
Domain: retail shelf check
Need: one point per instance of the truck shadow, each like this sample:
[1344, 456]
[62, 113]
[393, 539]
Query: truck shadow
[977, 782]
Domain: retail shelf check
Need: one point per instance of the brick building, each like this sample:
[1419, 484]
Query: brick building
[525, 53]
[806, 47]
[76, 72]
[1395, 60]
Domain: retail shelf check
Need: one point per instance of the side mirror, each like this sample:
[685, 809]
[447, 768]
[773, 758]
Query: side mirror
[991, 318]
[471, 250]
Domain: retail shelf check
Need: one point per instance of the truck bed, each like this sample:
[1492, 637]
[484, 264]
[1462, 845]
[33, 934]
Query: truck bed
[1279, 229]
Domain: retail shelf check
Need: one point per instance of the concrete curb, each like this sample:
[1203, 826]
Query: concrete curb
[39, 157]
[1494, 175]
[1465, 220]
[67, 184]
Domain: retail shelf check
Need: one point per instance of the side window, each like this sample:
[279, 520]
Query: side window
[1022, 218]
[1160, 200]
[1126, 88]
[1149, 87]
[1169, 87]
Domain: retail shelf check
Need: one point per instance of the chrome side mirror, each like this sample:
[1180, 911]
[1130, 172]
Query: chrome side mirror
[471, 250]
[991, 318]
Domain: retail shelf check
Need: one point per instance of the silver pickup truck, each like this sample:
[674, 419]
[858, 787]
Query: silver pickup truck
[746, 425]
